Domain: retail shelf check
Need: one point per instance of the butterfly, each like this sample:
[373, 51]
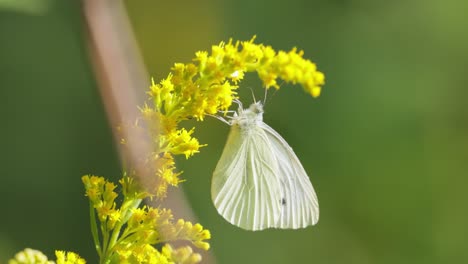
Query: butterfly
[259, 182]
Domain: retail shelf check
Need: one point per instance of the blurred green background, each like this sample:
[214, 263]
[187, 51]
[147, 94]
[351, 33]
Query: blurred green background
[386, 145]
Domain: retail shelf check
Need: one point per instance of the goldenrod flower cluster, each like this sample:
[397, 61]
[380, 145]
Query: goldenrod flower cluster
[208, 85]
[129, 232]
[32, 256]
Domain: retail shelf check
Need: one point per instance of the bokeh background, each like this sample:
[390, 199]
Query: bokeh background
[386, 145]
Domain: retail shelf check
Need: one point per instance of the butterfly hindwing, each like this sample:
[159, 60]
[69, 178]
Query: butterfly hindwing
[299, 201]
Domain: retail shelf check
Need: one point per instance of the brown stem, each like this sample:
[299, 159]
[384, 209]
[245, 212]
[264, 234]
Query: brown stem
[122, 78]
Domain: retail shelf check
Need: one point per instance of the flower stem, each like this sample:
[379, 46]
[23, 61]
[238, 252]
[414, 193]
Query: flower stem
[94, 229]
[127, 212]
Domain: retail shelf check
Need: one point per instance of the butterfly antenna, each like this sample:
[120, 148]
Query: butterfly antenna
[253, 95]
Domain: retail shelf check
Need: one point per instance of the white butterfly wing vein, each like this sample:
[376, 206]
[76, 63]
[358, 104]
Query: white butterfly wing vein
[300, 207]
[245, 189]
[259, 182]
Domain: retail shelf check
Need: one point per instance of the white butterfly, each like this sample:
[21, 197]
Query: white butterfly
[259, 182]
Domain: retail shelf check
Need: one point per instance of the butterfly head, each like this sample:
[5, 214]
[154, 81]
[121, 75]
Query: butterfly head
[250, 116]
[256, 108]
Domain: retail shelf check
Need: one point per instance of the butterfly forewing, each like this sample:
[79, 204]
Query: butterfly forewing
[245, 189]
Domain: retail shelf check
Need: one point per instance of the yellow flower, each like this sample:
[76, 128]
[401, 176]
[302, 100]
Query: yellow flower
[93, 186]
[184, 255]
[68, 258]
[138, 217]
[149, 226]
[130, 232]
[181, 142]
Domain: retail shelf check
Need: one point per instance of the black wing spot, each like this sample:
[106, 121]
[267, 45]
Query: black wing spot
[283, 201]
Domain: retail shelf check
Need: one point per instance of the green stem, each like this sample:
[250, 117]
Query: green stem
[94, 229]
[105, 239]
[127, 213]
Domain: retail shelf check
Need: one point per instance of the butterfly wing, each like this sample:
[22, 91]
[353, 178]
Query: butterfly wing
[299, 202]
[246, 188]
